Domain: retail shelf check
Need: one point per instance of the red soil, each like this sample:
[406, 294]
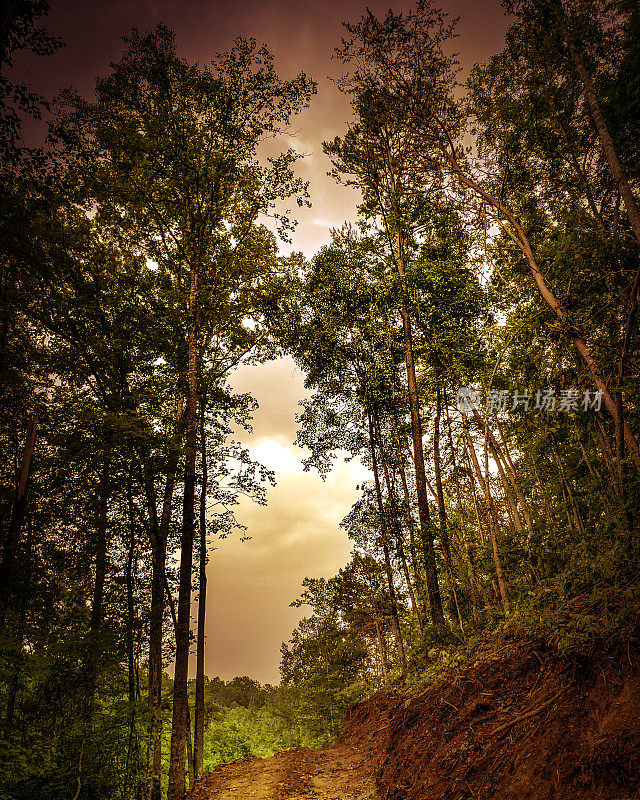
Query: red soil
[524, 725]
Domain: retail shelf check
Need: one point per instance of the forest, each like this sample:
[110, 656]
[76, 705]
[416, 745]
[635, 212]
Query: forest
[471, 339]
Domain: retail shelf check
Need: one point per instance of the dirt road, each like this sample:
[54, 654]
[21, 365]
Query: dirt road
[338, 773]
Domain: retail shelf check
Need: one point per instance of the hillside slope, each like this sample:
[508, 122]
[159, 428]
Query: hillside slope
[527, 725]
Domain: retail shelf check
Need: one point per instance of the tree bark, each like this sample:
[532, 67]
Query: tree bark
[492, 524]
[159, 533]
[198, 736]
[130, 598]
[12, 537]
[426, 531]
[179, 732]
[409, 519]
[518, 236]
[478, 594]
[397, 528]
[385, 549]
[131, 662]
[442, 513]
[100, 573]
[383, 660]
[14, 680]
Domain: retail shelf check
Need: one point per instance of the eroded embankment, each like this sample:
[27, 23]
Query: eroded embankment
[527, 725]
[524, 724]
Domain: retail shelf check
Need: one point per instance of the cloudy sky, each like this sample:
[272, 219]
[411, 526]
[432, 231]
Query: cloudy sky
[252, 583]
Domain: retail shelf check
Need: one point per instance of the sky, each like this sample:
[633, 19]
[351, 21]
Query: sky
[252, 583]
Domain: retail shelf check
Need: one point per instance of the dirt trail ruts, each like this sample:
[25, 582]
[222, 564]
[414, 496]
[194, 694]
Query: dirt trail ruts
[341, 772]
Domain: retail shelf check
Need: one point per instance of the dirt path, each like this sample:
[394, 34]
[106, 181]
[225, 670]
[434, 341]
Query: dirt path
[338, 773]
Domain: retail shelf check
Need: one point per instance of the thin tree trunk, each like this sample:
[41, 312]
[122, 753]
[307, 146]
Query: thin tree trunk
[159, 533]
[188, 739]
[131, 665]
[130, 599]
[476, 505]
[426, 532]
[494, 528]
[618, 173]
[492, 524]
[595, 473]
[12, 537]
[385, 549]
[545, 499]
[408, 515]
[463, 546]
[502, 583]
[615, 474]
[14, 680]
[100, 572]
[565, 497]
[453, 456]
[518, 236]
[511, 472]
[383, 660]
[396, 526]
[179, 729]
[577, 517]
[511, 504]
[198, 745]
[190, 760]
[442, 511]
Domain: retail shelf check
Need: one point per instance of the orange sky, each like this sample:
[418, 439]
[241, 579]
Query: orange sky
[252, 583]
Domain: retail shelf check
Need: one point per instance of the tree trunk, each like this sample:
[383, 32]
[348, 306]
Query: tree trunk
[198, 736]
[511, 472]
[159, 533]
[14, 680]
[179, 732]
[492, 524]
[100, 572]
[476, 505]
[442, 511]
[426, 532]
[131, 665]
[545, 499]
[397, 528]
[409, 519]
[595, 473]
[478, 594]
[618, 173]
[577, 516]
[383, 660]
[520, 239]
[130, 599]
[442, 514]
[385, 549]
[12, 537]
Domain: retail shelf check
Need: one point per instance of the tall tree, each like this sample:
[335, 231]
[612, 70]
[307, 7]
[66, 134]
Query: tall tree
[177, 148]
[387, 161]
